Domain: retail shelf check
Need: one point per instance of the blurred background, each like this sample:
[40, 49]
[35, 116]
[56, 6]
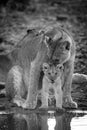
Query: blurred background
[17, 16]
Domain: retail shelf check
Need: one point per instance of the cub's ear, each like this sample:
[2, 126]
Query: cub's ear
[45, 66]
[60, 67]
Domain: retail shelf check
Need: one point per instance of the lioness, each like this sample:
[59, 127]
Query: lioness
[52, 85]
[51, 44]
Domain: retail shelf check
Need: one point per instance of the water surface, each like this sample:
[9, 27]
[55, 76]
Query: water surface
[76, 120]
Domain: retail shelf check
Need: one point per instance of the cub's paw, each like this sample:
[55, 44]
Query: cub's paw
[69, 103]
[18, 101]
[43, 106]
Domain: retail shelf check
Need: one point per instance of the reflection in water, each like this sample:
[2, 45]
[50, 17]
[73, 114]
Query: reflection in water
[26, 122]
[51, 121]
[43, 121]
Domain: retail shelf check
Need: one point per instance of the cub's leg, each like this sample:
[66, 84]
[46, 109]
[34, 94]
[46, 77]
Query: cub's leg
[44, 99]
[58, 97]
[14, 88]
[68, 73]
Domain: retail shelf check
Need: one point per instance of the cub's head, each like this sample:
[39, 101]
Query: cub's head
[61, 44]
[52, 72]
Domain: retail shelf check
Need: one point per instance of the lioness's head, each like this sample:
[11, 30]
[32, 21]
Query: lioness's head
[61, 44]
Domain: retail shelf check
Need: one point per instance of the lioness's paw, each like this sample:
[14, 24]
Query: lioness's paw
[69, 103]
[27, 105]
[19, 102]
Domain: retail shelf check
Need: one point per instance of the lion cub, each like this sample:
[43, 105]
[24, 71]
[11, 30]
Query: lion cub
[51, 85]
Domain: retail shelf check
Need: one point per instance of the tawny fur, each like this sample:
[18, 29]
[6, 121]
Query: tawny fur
[52, 80]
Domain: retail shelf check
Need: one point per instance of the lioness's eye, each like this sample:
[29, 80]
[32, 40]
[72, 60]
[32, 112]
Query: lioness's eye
[67, 45]
[56, 73]
[49, 39]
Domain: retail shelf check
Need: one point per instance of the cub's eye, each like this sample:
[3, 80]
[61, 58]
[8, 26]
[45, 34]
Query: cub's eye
[56, 73]
[67, 45]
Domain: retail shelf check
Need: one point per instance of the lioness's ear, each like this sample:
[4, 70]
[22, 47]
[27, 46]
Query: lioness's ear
[45, 66]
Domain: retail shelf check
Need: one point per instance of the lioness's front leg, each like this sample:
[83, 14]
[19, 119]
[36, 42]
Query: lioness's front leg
[31, 100]
[67, 99]
[14, 86]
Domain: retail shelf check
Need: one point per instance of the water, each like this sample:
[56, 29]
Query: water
[76, 120]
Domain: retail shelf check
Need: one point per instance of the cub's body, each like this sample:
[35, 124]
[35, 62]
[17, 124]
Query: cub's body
[52, 85]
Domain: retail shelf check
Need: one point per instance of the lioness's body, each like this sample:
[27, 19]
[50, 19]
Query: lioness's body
[49, 46]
